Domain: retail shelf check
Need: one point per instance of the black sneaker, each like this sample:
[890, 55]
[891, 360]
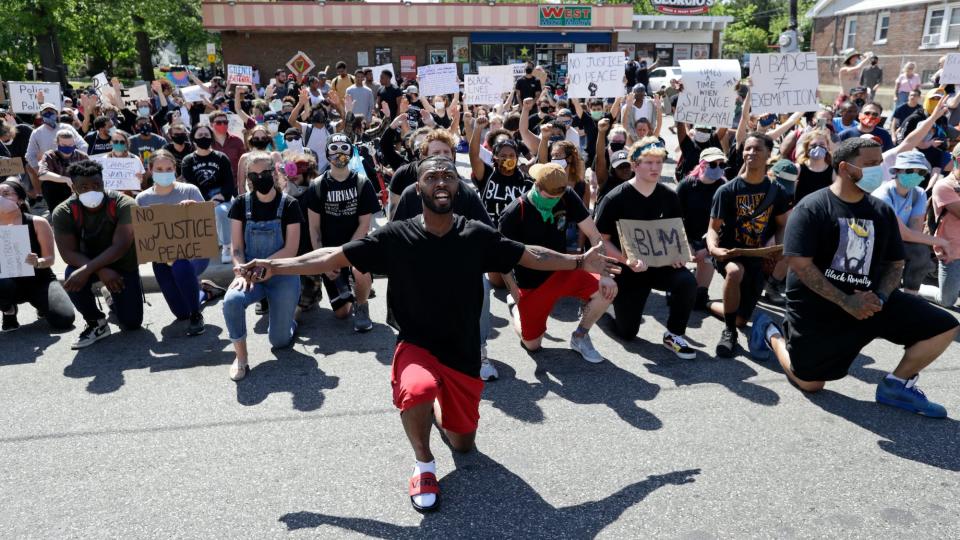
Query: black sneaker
[197, 326]
[679, 346]
[263, 307]
[94, 332]
[727, 344]
[10, 322]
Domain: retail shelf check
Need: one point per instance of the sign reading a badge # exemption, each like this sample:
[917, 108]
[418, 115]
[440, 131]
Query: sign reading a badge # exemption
[566, 16]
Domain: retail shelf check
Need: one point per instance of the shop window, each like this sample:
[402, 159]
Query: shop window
[942, 28]
[850, 33]
[883, 26]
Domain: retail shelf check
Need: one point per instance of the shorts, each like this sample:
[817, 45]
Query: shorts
[535, 305]
[338, 290]
[417, 377]
[752, 285]
[824, 348]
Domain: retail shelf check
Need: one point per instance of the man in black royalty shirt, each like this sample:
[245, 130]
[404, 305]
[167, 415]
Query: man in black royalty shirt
[435, 263]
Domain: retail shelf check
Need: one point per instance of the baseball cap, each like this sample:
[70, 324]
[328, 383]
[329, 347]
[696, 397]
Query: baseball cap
[785, 169]
[621, 156]
[638, 88]
[564, 112]
[712, 154]
[850, 54]
[412, 89]
[549, 177]
[913, 159]
[46, 106]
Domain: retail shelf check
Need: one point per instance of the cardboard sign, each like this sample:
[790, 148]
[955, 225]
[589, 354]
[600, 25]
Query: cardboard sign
[168, 232]
[595, 75]
[10, 167]
[120, 173]
[23, 96]
[951, 69]
[377, 70]
[14, 248]
[784, 83]
[300, 64]
[768, 251]
[709, 96]
[237, 74]
[408, 66]
[438, 79]
[481, 90]
[193, 94]
[501, 77]
[659, 242]
[138, 93]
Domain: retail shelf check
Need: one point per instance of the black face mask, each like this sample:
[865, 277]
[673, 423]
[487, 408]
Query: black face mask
[259, 144]
[179, 138]
[262, 182]
[617, 146]
[144, 129]
[203, 143]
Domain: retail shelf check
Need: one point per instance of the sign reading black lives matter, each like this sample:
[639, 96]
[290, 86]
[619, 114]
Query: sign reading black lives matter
[784, 83]
[658, 242]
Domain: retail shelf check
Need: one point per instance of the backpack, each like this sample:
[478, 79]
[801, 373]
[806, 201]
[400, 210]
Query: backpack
[77, 213]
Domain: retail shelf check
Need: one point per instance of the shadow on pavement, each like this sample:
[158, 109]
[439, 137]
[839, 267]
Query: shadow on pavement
[515, 397]
[39, 335]
[483, 499]
[328, 335]
[292, 372]
[903, 434]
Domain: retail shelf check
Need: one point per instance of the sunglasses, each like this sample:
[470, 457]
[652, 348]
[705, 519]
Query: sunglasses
[259, 140]
[715, 164]
[921, 172]
[292, 138]
[253, 177]
[338, 148]
[871, 113]
[222, 123]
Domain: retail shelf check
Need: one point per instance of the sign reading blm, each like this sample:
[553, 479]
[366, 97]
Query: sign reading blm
[658, 242]
[167, 232]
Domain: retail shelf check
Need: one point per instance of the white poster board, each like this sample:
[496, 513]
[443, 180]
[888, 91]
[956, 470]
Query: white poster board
[138, 93]
[120, 173]
[481, 90]
[236, 125]
[501, 76]
[101, 85]
[784, 83]
[23, 96]
[14, 248]
[237, 74]
[377, 70]
[951, 69]
[437, 79]
[193, 94]
[595, 75]
[709, 96]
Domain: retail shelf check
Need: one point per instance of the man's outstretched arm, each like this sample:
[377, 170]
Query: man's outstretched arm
[541, 258]
[316, 262]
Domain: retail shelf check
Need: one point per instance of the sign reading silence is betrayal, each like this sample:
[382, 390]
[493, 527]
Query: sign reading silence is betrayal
[167, 232]
[658, 242]
[709, 94]
[783, 83]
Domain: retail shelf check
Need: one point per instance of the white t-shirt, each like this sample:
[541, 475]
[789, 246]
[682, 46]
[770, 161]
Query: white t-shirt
[317, 143]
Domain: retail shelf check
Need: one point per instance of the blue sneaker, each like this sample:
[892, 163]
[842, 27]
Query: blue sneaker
[908, 396]
[759, 348]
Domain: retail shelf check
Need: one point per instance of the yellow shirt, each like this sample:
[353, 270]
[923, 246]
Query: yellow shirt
[340, 85]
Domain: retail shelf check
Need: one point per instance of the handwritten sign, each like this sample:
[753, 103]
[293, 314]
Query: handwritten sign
[784, 83]
[14, 248]
[709, 94]
[237, 74]
[138, 93]
[101, 85]
[377, 70]
[595, 75]
[951, 69]
[168, 232]
[501, 77]
[438, 79]
[10, 167]
[193, 94]
[768, 251]
[23, 96]
[120, 173]
[235, 127]
[659, 242]
[481, 90]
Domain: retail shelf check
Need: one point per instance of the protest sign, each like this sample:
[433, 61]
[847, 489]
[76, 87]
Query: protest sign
[501, 77]
[658, 242]
[193, 94]
[120, 173]
[408, 66]
[101, 85]
[481, 90]
[783, 83]
[236, 125]
[951, 69]
[438, 79]
[709, 94]
[23, 96]
[237, 74]
[167, 232]
[138, 93]
[377, 70]
[14, 248]
[300, 64]
[755, 252]
[595, 75]
[10, 167]
[179, 77]
[519, 70]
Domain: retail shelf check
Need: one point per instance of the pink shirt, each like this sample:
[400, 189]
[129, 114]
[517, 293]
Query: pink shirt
[945, 192]
[908, 84]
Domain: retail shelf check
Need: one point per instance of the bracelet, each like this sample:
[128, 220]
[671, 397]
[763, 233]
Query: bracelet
[579, 262]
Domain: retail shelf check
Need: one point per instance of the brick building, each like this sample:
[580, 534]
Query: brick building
[897, 31]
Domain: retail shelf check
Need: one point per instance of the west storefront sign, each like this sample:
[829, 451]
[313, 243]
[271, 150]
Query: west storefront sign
[566, 16]
[682, 7]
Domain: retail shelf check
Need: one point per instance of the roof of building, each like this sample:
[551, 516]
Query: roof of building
[829, 8]
[681, 22]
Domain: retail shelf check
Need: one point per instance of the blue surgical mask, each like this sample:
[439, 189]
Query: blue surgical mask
[910, 180]
[164, 179]
[871, 178]
[713, 173]
[66, 149]
[119, 147]
[817, 152]
[49, 119]
[143, 111]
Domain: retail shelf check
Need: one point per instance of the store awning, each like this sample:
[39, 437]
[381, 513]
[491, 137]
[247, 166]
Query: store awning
[483, 38]
[680, 23]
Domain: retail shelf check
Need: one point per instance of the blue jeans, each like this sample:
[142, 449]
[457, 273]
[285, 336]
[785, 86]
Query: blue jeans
[485, 323]
[283, 293]
[127, 304]
[222, 213]
[902, 98]
[180, 284]
[949, 283]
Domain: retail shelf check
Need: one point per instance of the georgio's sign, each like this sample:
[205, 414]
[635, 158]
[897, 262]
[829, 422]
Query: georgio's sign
[682, 7]
[566, 16]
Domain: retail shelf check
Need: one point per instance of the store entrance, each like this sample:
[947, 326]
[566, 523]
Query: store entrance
[553, 58]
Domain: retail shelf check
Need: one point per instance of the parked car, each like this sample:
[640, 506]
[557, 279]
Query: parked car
[660, 78]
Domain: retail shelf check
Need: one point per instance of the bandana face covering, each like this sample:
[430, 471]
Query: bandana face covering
[543, 204]
[508, 165]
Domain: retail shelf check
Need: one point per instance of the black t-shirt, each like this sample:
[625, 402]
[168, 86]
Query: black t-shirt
[904, 111]
[435, 287]
[390, 95]
[96, 145]
[738, 199]
[340, 205]
[696, 199]
[404, 176]
[809, 181]
[267, 211]
[849, 242]
[528, 87]
[211, 173]
[188, 149]
[466, 203]
[625, 202]
[497, 191]
[521, 221]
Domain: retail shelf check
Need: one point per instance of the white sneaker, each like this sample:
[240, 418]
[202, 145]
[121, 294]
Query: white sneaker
[584, 346]
[488, 372]
[91, 334]
[678, 345]
[225, 256]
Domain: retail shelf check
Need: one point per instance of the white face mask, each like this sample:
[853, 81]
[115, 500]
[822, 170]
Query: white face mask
[701, 136]
[295, 190]
[273, 126]
[560, 162]
[91, 199]
[8, 206]
[440, 107]
[295, 146]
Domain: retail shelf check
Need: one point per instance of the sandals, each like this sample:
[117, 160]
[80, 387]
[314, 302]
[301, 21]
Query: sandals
[238, 373]
[421, 484]
[212, 290]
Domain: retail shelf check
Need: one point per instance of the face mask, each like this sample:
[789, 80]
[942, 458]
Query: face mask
[295, 145]
[339, 161]
[119, 147]
[617, 146]
[869, 121]
[259, 118]
[143, 111]
[561, 162]
[909, 180]
[565, 123]
[49, 119]
[543, 204]
[276, 105]
[259, 144]
[220, 128]
[144, 129]
[7, 206]
[203, 143]
[273, 126]
[440, 107]
[713, 173]
[508, 165]
[318, 119]
[701, 136]
[66, 150]
[112, 131]
[870, 178]
[263, 183]
[179, 138]
[164, 179]
[817, 152]
[596, 115]
[295, 190]
[91, 199]
[290, 169]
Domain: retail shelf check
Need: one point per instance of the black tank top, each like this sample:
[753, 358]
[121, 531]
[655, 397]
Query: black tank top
[28, 219]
